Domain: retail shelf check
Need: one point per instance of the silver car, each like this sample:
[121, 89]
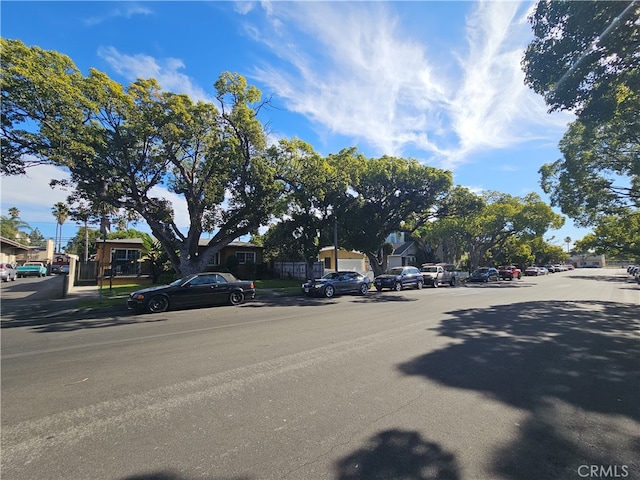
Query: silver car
[7, 272]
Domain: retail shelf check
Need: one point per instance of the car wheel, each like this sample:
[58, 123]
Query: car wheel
[329, 291]
[398, 286]
[453, 281]
[434, 283]
[364, 288]
[236, 298]
[379, 289]
[157, 304]
[520, 276]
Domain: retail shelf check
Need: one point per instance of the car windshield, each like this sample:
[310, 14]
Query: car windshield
[429, 269]
[331, 276]
[482, 270]
[395, 271]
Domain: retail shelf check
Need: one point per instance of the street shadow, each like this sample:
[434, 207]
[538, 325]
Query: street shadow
[169, 475]
[68, 321]
[398, 455]
[601, 278]
[549, 359]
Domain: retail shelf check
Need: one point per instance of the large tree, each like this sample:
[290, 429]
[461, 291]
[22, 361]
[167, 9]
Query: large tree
[583, 55]
[584, 59]
[315, 186]
[60, 212]
[124, 145]
[617, 236]
[488, 232]
[386, 195]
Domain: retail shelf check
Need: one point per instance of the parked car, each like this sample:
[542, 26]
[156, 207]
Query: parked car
[550, 268]
[7, 272]
[32, 269]
[198, 290]
[509, 272]
[334, 283]
[397, 278]
[533, 271]
[485, 274]
[438, 274]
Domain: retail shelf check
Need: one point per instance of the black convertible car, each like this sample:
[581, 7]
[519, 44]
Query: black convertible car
[337, 282]
[198, 290]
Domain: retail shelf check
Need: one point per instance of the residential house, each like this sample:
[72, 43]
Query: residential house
[12, 251]
[347, 259]
[123, 258]
[404, 252]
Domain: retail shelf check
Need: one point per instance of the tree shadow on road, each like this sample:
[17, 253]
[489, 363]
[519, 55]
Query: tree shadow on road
[568, 364]
[169, 475]
[61, 321]
[398, 455]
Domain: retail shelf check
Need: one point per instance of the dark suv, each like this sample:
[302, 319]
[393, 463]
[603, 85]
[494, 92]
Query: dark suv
[398, 278]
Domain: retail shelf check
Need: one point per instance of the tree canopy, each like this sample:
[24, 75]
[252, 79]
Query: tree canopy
[584, 55]
[123, 145]
[584, 59]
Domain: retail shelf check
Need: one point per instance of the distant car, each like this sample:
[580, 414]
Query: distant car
[533, 271]
[438, 274]
[64, 269]
[198, 290]
[485, 274]
[543, 270]
[32, 269]
[398, 278]
[550, 268]
[7, 272]
[334, 283]
[509, 272]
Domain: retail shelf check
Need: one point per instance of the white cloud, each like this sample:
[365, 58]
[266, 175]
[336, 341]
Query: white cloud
[32, 195]
[167, 72]
[353, 69]
[126, 10]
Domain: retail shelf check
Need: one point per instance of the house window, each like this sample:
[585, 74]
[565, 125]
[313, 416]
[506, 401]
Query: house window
[411, 260]
[327, 262]
[124, 261]
[215, 260]
[246, 257]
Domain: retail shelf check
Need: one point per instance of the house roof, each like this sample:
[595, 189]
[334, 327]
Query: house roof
[13, 243]
[402, 248]
[202, 243]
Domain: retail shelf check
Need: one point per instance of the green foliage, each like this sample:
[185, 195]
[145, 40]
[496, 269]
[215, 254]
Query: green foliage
[387, 194]
[584, 58]
[120, 144]
[36, 239]
[599, 174]
[13, 227]
[616, 236]
[583, 55]
[76, 245]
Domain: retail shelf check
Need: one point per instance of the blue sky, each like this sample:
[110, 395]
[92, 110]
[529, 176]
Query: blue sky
[436, 81]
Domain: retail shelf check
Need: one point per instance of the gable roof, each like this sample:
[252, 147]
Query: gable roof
[403, 248]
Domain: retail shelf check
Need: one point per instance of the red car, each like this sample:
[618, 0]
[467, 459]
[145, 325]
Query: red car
[509, 272]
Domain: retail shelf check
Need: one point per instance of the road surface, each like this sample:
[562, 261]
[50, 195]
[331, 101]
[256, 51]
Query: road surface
[532, 379]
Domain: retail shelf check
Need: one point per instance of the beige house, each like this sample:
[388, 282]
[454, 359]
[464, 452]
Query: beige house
[347, 260]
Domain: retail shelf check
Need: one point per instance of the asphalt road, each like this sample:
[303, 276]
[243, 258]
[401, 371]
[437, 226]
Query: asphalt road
[533, 379]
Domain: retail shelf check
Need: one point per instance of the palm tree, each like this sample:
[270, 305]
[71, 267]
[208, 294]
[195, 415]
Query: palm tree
[12, 227]
[567, 240]
[60, 212]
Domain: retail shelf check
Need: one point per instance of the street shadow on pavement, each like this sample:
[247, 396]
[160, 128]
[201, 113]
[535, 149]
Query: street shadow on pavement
[573, 366]
[398, 454]
[68, 321]
[169, 475]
